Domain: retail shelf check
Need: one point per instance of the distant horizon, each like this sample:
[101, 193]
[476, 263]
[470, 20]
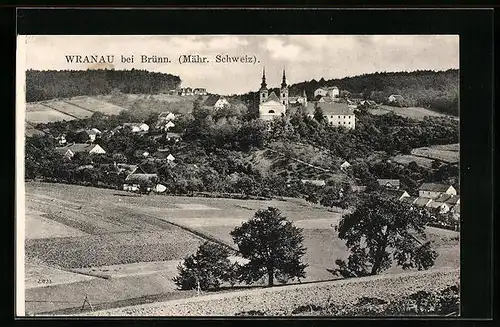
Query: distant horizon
[305, 57]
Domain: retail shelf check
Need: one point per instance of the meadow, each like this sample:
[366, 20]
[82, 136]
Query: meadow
[131, 244]
[408, 112]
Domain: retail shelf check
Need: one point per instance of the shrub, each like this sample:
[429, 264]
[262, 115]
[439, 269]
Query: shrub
[206, 269]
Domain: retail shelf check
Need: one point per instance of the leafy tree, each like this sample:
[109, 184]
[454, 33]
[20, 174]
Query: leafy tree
[273, 246]
[78, 137]
[382, 230]
[319, 115]
[208, 268]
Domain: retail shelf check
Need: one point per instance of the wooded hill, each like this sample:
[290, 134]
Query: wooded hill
[50, 84]
[437, 90]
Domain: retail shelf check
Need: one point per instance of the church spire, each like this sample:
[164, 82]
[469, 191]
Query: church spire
[283, 83]
[263, 85]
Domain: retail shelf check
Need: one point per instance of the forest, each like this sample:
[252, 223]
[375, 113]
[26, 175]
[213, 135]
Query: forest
[436, 90]
[51, 84]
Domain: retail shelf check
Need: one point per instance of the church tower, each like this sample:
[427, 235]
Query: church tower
[304, 95]
[284, 91]
[263, 87]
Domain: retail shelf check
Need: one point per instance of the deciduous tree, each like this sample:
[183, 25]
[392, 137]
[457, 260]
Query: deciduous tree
[382, 230]
[273, 246]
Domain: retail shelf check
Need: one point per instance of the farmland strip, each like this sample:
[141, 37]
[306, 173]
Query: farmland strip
[79, 106]
[65, 113]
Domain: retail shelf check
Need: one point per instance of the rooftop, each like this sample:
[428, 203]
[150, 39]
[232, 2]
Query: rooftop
[335, 108]
[434, 187]
[76, 147]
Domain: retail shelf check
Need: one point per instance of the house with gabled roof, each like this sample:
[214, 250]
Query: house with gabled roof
[136, 127]
[397, 194]
[422, 202]
[215, 102]
[134, 182]
[345, 165]
[409, 199]
[434, 190]
[70, 150]
[389, 183]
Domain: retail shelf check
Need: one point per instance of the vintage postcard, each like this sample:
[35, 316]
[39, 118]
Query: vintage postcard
[238, 175]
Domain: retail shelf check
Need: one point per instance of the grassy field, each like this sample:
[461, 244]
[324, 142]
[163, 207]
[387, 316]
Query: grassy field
[95, 105]
[410, 112]
[405, 159]
[131, 239]
[68, 109]
[46, 116]
[424, 156]
[447, 153]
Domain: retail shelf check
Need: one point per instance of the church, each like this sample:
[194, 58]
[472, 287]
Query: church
[270, 105]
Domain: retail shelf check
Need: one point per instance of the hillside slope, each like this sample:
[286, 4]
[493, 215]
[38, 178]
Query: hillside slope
[429, 89]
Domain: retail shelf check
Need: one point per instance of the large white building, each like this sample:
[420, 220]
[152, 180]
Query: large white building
[270, 106]
[333, 92]
[336, 113]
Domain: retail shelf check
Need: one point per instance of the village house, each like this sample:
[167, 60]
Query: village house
[93, 134]
[389, 183]
[134, 182]
[70, 150]
[316, 182]
[422, 202]
[397, 194]
[200, 91]
[175, 137]
[136, 127]
[345, 165]
[336, 113]
[166, 116]
[184, 91]
[434, 190]
[299, 99]
[215, 102]
[409, 199]
[445, 202]
[396, 99]
[270, 106]
[332, 92]
[61, 139]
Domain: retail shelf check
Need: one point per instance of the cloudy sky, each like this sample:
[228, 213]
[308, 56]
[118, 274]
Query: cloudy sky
[304, 56]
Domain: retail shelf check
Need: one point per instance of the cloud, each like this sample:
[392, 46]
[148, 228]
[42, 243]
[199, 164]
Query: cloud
[278, 49]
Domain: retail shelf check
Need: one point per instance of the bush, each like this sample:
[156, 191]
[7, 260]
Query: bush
[206, 269]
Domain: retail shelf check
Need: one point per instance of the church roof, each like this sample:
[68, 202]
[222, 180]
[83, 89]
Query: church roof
[272, 97]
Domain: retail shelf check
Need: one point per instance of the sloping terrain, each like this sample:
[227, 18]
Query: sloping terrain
[68, 109]
[285, 299]
[83, 230]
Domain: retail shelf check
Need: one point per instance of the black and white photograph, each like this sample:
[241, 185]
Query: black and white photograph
[238, 175]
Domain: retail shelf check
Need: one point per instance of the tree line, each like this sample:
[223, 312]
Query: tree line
[51, 84]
